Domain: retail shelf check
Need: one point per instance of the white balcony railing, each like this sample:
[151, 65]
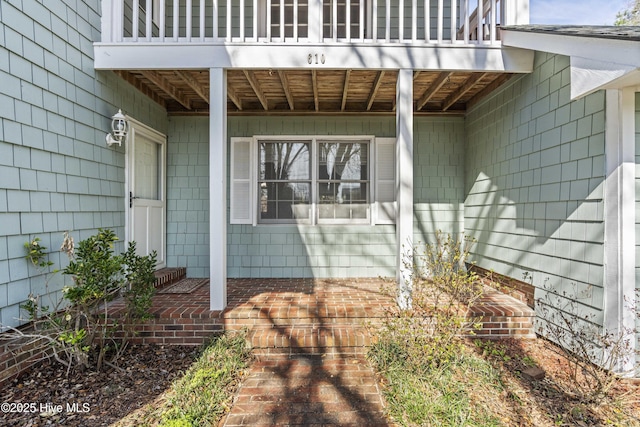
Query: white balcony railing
[313, 21]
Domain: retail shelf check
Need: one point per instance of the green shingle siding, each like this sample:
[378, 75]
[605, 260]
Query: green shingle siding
[188, 195]
[535, 168]
[57, 172]
[305, 251]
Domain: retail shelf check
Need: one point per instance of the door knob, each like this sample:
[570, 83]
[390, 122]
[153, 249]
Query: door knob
[131, 198]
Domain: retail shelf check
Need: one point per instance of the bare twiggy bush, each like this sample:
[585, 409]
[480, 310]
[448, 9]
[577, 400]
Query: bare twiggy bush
[430, 331]
[595, 355]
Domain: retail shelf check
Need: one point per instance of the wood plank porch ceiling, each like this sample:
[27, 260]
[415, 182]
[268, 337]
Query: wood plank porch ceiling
[278, 92]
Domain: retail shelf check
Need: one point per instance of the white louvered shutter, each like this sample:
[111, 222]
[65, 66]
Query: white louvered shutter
[241, 198]
[385, 176]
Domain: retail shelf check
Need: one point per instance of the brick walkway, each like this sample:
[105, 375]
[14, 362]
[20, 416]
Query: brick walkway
[309, 338]
[308, 390]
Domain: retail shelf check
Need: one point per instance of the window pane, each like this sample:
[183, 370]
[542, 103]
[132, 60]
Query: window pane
[284, 160]
[343, 161]
[285, 201]
[146, 170]
[343, 200]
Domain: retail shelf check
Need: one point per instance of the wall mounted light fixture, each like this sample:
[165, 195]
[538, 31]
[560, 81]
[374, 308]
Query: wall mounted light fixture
[119, 129]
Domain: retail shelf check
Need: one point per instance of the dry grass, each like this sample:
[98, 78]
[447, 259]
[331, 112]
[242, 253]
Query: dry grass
[485, 386]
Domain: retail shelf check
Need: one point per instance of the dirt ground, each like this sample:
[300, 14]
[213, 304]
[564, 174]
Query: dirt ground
[99, 399]
[551, 400]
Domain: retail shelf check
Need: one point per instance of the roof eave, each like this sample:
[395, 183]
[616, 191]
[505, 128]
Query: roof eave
[596, 62]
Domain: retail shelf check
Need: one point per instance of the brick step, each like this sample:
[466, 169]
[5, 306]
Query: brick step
[302, 312]
[506, 327]
[180, 331]
[310, 339]
[503, 316]
[234, 323]
[169, 275]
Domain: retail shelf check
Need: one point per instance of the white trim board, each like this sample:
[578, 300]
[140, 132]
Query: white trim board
[619, 199]
[596, 63]
[150, 56]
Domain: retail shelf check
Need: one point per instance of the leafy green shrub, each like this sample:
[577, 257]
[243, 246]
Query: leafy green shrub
[36, 253]
[78, 329]
[139, 279]
[99, 276]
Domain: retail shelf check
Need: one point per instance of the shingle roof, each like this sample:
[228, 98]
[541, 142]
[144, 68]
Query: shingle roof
[603, 32]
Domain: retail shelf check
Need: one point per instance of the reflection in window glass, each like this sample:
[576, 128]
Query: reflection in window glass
[284, 181]
[343, 180]
[146, 168]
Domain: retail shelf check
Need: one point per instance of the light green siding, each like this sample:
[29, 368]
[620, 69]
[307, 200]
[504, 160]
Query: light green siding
[311, 251]
[188, 194]
[56, 171]
[308, 251]
[438, 177]
[535, 171]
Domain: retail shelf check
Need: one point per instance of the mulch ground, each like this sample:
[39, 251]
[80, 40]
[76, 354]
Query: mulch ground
[100, 398]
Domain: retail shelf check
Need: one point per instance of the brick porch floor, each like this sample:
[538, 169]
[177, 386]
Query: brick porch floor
[284, 315]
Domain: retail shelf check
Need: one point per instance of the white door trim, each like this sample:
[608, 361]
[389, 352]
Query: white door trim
[138, 128]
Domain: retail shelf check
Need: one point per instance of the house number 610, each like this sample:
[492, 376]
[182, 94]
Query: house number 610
[314, 58]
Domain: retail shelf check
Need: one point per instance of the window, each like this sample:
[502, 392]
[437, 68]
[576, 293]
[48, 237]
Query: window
[312, 180]
[343, 181]
[284, 181]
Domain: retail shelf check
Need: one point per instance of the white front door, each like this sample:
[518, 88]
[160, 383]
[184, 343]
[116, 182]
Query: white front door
[146, 164]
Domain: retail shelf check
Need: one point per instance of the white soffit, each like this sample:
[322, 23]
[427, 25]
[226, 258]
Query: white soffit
[588, 75]
[596, 63]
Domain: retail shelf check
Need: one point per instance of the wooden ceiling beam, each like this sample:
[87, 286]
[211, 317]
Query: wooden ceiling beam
[466, 86]
[433, 89]
[193, 84]
[163, 87]
[138, 84]
[255, 85]
[314, 83]
[166, 86]
[345, 89]
[233, 96]
[487, 90]
[374, 89]
[287, 90]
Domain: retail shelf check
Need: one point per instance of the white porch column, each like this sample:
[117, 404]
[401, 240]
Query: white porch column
[515, 12]
[111, 23]
[404, 184]
[218, 188]
[619, 218]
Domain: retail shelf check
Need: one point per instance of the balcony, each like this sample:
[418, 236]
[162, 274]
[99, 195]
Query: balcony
[310, 21]
[312, 56]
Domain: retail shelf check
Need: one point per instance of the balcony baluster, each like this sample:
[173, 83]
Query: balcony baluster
[310, 21]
